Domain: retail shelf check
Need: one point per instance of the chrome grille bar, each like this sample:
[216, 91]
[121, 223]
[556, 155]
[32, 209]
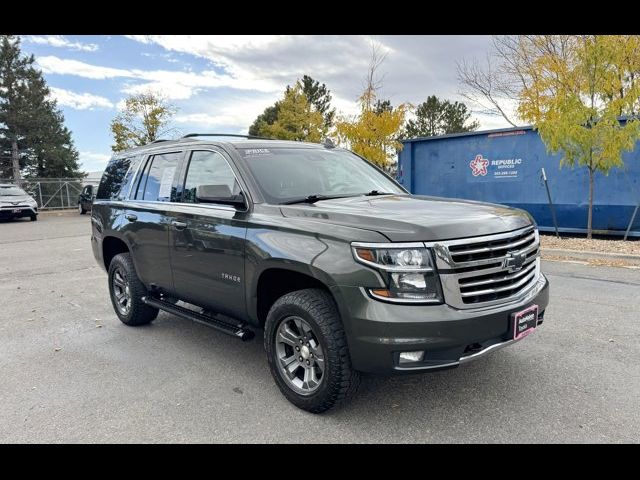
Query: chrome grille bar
[513, 276]
[507, 246]
[499, 289]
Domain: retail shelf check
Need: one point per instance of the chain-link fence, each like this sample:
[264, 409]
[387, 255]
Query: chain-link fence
[54, 193]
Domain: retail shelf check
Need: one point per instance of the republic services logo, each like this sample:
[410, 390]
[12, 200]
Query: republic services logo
[479, 166]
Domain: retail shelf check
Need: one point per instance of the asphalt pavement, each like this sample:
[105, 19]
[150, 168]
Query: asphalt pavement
[71, 372]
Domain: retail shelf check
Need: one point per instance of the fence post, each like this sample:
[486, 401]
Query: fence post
[40, 193]
[633, 217]
[66, 184]
[553, 210]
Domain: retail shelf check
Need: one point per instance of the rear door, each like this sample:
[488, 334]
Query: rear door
[207, 239]
[148, 216]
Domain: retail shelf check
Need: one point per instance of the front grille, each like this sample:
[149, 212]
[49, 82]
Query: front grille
[488, 270]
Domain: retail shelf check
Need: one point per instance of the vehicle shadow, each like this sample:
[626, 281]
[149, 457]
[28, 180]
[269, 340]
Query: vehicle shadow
[481, 388]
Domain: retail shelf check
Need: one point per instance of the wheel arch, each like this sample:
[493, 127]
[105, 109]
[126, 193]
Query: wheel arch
[277, 278]
[113, 245]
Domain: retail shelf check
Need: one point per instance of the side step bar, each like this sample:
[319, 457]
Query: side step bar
[235, 329]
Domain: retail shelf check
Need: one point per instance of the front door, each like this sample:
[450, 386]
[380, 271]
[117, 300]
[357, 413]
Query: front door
[207, 239]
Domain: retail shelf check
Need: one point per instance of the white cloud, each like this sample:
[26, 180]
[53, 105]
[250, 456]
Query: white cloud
[60, 41]
[174, 84]
[231, 113]
[139, 38]
[61, 66]
[79, 101]
[93, 161]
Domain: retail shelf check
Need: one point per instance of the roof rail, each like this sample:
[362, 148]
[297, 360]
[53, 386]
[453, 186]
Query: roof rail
[190, 135]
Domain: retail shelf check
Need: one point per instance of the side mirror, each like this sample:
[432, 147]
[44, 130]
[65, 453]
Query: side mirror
[219, 194]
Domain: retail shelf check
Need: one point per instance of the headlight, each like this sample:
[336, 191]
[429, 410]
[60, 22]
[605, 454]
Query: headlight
[409, 272]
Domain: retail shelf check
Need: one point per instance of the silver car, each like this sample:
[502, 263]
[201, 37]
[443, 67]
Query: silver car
[16, 203]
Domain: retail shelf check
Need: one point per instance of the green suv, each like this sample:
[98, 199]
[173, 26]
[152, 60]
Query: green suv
[342, 269]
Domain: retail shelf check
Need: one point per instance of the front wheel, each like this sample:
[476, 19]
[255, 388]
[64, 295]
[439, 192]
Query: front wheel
[126, 292]
[307, 351]
[81, 210]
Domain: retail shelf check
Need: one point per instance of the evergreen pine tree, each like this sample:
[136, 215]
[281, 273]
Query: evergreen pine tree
[33, 138]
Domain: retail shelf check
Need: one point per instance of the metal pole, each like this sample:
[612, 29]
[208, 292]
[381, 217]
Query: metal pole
[633, 217]
[40, 192]
[66, 184]
[553, 210]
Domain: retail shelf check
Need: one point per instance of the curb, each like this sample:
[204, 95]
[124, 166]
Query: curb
[587, 255]
[58, 211]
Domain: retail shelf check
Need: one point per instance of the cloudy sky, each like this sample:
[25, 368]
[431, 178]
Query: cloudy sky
[221, 83]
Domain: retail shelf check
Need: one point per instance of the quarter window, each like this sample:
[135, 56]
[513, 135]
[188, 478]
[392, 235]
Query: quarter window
[208, 168]
[113, 178]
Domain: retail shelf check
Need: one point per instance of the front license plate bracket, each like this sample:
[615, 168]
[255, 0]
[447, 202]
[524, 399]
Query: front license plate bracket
[525, 322]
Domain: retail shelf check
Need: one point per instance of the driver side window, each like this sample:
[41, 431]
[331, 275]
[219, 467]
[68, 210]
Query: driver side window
[211, 169]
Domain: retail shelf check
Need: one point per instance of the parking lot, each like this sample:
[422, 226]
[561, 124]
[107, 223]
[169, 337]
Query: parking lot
[71, 372]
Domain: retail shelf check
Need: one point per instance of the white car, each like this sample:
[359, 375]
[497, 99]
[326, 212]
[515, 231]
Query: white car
[16, 203]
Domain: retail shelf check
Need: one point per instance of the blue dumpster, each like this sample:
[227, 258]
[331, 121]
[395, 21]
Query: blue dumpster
[504, 166]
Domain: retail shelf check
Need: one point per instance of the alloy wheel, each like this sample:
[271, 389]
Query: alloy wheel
[121, 291]
[300, 357]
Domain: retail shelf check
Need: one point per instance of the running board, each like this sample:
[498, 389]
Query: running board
[236, 329]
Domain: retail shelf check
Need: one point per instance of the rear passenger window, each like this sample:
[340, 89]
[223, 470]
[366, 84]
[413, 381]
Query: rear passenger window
[112, 178]
[208, 168]
[156, 182]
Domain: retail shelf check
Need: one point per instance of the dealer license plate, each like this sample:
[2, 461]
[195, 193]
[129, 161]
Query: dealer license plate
[17, 210]
[525, 322]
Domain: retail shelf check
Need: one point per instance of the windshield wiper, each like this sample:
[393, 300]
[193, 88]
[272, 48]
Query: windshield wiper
[314, 198]
[374, 193]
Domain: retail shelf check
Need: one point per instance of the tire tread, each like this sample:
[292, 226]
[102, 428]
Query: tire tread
[140, 313]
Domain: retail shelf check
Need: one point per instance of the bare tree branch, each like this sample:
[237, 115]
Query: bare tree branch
[483, 86]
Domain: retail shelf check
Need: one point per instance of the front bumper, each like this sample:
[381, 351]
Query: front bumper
[19, 211]
[377, 332]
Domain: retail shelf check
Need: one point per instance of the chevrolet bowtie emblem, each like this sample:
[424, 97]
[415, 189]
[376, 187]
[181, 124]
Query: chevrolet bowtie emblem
[514, 261]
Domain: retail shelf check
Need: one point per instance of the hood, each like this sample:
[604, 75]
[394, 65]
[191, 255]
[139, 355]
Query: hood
[409, 218]
[16, 199]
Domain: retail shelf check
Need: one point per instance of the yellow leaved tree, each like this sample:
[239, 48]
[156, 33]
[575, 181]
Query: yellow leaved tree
[144, 118]
[583, 97]
[373, 133]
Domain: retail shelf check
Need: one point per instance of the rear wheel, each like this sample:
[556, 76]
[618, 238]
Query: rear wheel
[126, 292]
[307, 351]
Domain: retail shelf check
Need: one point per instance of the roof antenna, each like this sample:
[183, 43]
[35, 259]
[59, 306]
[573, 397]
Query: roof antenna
[328, 143]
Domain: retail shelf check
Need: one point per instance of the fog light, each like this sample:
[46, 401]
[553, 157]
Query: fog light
[410, 357]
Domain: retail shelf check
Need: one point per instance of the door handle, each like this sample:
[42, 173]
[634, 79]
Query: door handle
[131, 217]
[179, 225]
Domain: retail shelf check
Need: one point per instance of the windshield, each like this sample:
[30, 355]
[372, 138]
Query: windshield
[288, 174]
[12, 191]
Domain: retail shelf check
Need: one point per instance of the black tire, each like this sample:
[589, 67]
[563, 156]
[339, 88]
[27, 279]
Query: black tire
[138, 312]
[34, 218]
[339, 380]
[81, 209]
